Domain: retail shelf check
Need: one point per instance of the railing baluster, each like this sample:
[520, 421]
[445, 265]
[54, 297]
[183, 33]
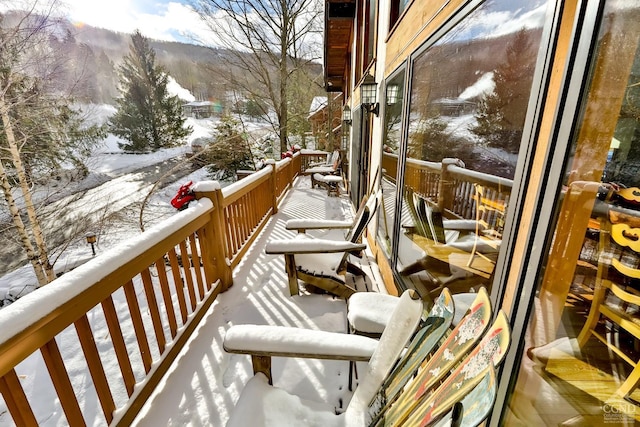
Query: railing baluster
[166, 296]
[96, 369]
[138, 325]
[186, 268]
[195, 261]
[178, 283]
[230, 232]
[152, 304]
[62, 384]
[16, 400]
[119, 346]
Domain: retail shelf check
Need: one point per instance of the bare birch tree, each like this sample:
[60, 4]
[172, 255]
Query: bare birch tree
[37, 125]
[269, 43]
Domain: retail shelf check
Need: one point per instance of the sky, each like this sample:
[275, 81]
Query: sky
[170, 20]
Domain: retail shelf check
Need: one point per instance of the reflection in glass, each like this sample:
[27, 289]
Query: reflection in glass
[582, 341]
[392, 135]
[468, 103]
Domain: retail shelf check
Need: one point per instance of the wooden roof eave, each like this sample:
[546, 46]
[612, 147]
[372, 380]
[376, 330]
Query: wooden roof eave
[339, 16]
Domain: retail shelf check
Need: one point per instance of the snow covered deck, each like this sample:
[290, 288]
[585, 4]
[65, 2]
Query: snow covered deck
[205, 382]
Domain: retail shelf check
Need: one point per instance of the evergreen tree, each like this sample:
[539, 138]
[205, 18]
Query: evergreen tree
[501, 114]
[229, 150]
[147, 116]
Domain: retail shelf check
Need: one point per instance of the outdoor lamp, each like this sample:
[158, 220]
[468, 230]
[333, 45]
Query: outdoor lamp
[368, 95]
[91, 239]
[346, 115]
[392, 94]
[345, 141]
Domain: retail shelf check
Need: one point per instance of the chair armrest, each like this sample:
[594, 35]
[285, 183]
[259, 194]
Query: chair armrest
[311, 246]
[264, 342]
[316, 224]
[283, 341]
[315, 164]
[462, 224]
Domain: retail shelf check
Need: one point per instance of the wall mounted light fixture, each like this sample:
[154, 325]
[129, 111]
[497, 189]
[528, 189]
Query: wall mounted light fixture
[393, 90]
[369, 95]
[346, 115]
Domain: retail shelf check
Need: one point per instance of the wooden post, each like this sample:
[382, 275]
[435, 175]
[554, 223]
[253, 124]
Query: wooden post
[262, 364]
[446, 186]
[274, 186]
[216, 258]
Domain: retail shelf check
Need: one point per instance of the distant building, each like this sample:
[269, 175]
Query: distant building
[201, 109]
[319, 113]
[454, 107]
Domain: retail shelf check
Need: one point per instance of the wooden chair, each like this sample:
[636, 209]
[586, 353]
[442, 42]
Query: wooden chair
[441, 240]
[614, 297]
[369, 318]
[489, 223]
[332, 167]
[331, 158]
[386, 394]
[368, 313]
[325, 263]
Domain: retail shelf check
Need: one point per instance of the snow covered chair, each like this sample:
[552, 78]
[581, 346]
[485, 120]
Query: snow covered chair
[369, 313]
[416, 387]
[332, 167]
[323, 263]
[330, 182]
[331, 158]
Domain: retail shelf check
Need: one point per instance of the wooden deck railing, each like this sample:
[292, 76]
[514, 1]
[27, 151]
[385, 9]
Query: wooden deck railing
[449, 185]
[151, 291]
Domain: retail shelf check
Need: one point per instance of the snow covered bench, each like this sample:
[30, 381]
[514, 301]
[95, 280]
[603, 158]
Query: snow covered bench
[330, 182]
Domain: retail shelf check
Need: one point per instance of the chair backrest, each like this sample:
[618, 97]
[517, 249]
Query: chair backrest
[364, 214]
[427, 220]
[433, 328]
[431, 216]
[490, 209]
[402, 325]
[335, 159]
[454, 348]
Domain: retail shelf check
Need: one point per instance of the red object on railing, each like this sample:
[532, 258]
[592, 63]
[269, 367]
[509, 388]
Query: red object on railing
[181, 200]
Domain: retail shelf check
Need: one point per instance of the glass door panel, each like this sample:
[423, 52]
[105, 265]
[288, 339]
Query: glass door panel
[469, 98]
[581, 345]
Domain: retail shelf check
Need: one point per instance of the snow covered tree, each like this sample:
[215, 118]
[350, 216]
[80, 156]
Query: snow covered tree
[147, 117]
[39, 131]
[228, 151]
[500, 116]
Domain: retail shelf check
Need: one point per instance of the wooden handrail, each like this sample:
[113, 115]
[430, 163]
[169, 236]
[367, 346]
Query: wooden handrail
[449, 186]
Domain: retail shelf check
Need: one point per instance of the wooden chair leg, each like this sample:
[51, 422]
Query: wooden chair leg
[353, 373]
[594, 315]
[262, 364]
[630, 383]
[290, 267]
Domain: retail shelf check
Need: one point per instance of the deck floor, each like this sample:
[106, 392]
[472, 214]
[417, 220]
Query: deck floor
[203, 386]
